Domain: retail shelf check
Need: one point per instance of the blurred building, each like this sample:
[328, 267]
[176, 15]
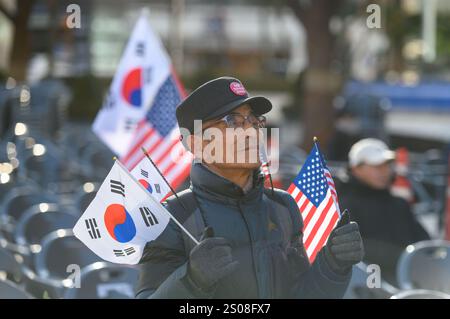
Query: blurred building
[228, 34]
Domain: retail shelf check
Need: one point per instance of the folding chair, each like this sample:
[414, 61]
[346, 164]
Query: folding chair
[103, 280]
[39, 220]
[425, 265]
[9, 290]
[420, 294]
[61, 249]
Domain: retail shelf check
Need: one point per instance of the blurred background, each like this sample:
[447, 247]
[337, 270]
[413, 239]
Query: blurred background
[330, 67]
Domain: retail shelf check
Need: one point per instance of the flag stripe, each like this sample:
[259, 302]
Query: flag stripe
[166, 157]
[319, 228]
[140, 141]
[303, 207]
[309, 213]
[324, 236]
[317, 219]
[138, 155]
[300, 203]
[292, 188]
[150, 145]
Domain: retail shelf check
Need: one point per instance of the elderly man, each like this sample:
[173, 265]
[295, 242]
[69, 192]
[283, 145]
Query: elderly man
[387, 223]
[250, 237]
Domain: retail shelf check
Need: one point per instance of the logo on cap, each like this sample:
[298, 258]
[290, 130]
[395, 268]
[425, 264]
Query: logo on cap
[237, 88]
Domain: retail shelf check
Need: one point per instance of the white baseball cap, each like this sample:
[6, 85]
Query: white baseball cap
[370, 151]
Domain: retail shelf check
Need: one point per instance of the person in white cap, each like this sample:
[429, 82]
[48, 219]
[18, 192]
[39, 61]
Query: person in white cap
[386, 222]
[371, 161]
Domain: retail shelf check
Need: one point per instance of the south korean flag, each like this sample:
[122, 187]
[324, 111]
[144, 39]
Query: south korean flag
[148, 176]
[121, 219]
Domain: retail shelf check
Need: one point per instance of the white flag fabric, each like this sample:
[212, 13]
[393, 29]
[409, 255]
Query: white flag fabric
[152, 181]
[143, 68]
[121, 219]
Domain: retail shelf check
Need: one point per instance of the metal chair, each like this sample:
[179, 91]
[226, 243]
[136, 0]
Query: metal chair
[59, 250]
[40, 220]
[9, 290]
[19, 200]
[14, 269]
[103, 280]
[10, 266]
[358, 288]
[99, 160]
[425, 265]
[85, 196]
[420, 294]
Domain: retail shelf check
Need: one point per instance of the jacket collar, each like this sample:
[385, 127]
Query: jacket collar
[363, 188]
[208, 183]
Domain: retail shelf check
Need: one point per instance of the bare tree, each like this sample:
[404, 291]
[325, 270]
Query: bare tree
[21, 45]
[318, 84]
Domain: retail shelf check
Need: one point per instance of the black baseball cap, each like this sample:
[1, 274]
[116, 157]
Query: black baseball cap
[215, 99]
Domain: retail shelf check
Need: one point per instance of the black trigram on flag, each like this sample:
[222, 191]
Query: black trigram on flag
[149, 218]
[140, 48]
[144, 173]
[122, 253]
[117, 187]
[130, 124]
[92, 228]
[157, 188]
[110, 101]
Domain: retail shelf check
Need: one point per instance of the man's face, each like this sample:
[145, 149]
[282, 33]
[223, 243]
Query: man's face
[225, 147]
[376, 176]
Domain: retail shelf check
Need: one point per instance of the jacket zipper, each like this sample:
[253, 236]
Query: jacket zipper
[251, 246]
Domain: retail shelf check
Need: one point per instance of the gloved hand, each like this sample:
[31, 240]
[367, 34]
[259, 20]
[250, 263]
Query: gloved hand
[344, 247]
[210, 261]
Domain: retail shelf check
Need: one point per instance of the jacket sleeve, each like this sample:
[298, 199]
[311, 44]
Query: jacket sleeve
[320, 282]
[316, 280]
[163, 269]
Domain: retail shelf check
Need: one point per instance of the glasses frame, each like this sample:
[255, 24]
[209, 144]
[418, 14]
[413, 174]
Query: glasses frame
[260, 120]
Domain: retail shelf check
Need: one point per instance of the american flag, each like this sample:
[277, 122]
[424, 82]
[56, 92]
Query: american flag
[159, 134]
[314, 191]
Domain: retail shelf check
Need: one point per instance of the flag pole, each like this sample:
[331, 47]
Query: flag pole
[171, 216]
[269, 174]
[270, 179]
[268, 165]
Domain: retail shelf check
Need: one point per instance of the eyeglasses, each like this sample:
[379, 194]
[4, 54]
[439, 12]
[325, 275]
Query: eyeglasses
[235, 120]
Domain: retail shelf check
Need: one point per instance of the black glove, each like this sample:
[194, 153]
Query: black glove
[210, 261]
[344, 247]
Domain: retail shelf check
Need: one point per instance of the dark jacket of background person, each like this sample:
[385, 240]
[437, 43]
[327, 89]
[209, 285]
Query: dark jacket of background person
[260, 241]
[386, 223]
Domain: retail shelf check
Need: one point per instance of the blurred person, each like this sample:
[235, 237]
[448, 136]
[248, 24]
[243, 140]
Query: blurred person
[386, 222]
[251, 240]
